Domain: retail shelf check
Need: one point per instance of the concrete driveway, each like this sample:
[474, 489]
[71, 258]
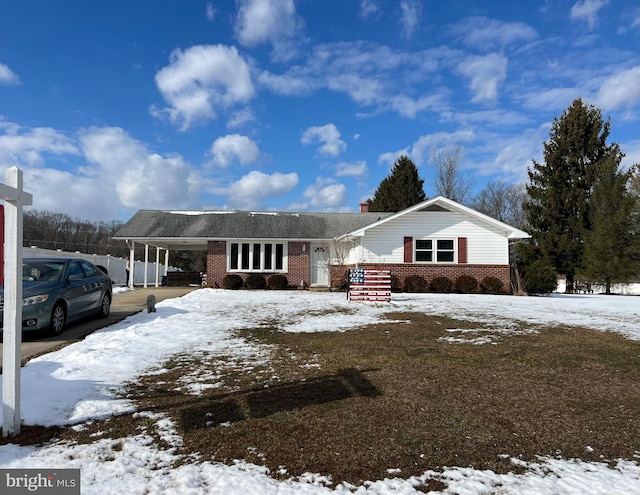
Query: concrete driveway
[124, 304]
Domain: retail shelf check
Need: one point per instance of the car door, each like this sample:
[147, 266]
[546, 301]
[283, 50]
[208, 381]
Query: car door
[94, 283]
[79, 294]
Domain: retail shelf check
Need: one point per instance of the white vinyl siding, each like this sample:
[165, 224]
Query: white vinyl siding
[384, 244]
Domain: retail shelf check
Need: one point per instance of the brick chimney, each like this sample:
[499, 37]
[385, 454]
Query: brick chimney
[364, 207]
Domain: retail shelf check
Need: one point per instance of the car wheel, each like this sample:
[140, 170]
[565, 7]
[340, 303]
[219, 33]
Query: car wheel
[105, 306]
[58, 319]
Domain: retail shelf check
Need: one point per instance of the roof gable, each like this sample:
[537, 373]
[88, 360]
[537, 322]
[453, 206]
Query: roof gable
[440, 203]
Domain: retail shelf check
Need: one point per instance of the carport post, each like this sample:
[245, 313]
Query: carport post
[146, 264]
[15, 197]
[132, 263]
[166, 262]
[157, 266]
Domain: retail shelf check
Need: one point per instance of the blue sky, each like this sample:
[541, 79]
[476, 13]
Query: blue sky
[111, 107]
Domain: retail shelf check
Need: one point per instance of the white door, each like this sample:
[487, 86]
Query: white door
[319, 265]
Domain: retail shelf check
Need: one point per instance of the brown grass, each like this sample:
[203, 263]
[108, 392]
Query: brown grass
[395, 396]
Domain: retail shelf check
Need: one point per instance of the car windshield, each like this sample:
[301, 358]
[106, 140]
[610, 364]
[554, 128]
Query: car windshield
[49, 271]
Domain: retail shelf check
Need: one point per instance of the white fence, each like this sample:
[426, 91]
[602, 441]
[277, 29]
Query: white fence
[115, 266]
[631, 289]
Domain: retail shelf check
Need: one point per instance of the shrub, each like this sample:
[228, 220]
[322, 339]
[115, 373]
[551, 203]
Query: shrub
[466, 284]
[441, 284]
[396, 286]
[415, 283]
[340, 284]
[232, 281]
[491, 285]
[255, 281]
[539, 278]
[278, 281]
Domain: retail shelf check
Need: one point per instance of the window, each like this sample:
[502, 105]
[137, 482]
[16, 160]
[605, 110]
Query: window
[435, 250]
[424, 250]
[256, 257]
[445, 251]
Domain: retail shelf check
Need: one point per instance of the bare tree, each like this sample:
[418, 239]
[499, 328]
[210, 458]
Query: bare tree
[503, 202]
[448, 180]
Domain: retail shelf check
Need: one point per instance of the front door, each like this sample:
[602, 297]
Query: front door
[319, 265]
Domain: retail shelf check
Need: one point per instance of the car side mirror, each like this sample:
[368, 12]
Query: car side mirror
[74, 277]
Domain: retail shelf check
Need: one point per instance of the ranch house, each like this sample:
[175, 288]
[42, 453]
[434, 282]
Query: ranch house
[437, 237]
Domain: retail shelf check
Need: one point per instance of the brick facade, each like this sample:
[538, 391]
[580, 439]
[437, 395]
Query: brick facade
[216, 262]
[430, 271]
[299, 267]
[299, 264]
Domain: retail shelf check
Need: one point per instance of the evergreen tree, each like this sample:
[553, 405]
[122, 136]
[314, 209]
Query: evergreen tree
[611, 251]
[401, 189]
[560, 188]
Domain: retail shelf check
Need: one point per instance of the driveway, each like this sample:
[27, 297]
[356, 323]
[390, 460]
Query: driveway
[124, 304]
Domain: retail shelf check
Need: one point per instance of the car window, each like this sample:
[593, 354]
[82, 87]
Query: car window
[51, 272]
[89, 269]
[75, 269]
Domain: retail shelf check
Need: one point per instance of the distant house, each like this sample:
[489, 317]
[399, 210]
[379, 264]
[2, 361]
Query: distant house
[437, 237]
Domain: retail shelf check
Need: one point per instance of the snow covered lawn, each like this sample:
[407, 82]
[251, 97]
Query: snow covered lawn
[80, 383]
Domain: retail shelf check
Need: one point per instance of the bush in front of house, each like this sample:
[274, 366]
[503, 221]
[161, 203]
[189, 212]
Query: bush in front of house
[415, 283]
[232, 281]
[278, 282]
[491, 285]
[539, 278]
[441, 284]
[396, 285]
[255, 281]
[466, 284]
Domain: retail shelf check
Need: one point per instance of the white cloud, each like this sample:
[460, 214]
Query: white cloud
[409, 107]
[210, 11]
[353, 169]
[200, 80]
[326, 194]
[360, 89]
[252, 189]
[289, 84]
[552, 99]
[424, 145]
[485, 33]
[631, 150]
[107, 171]
[7, 76]
[390, 157]
[372, 75]
[328, 135]
[27, 147]
[234, 147]
[240, 118]
[410, 16]
[141, 178]
[487, 73]
[622, 89]
[84, 197]
[269, 21]
[587, 10]
[369, 8]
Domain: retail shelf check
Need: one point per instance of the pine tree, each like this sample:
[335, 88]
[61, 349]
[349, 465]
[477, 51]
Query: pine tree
[401, 189]
[611, 248]
[559, 189]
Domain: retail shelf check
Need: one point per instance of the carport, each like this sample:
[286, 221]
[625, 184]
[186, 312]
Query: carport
[154, 236]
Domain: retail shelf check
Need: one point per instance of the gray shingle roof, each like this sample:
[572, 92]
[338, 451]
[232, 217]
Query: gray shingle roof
[150, 224]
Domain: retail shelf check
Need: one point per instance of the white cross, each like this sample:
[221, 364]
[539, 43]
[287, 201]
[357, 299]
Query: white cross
[15, 198]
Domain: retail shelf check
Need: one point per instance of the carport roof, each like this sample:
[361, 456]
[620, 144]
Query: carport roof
[192, 229]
